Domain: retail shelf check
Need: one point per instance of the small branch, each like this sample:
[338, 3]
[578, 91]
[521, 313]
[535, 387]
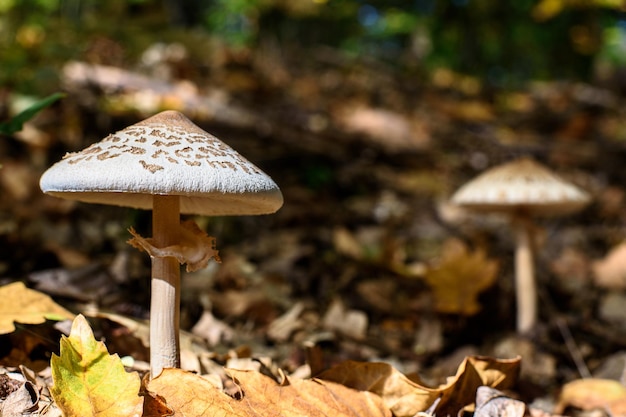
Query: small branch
[572, 347]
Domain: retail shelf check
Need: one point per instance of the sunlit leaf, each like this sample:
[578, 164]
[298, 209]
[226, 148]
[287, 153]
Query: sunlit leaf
[23, 305]
[591, 393]
[610, 272]
[406, 397]
[90, 382]
[191, 395]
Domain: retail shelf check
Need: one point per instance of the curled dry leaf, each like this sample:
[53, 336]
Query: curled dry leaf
[22, 401]
[196, 248]
[407, 397]
[192, 395]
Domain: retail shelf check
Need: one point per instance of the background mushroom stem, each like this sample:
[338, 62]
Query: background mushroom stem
[165, 298]
[525, 287]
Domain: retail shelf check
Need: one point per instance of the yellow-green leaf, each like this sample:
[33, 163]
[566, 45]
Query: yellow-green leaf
[90, 382]
[23, 305]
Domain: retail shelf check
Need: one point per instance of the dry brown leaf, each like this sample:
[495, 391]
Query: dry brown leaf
[188, 394]
[352, 323]
[306, 397]
[459, 277]
[154, 405]
[23, 305]
[347, 244]
[592, 393]
[23, 400]
[406, 397]
[394, 131]
[403, 396]
[282, 327]
[213, 330]
[610, 272]
[467, 110]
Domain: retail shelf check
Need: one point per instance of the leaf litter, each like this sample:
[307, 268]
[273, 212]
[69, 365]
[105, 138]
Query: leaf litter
[86, 381]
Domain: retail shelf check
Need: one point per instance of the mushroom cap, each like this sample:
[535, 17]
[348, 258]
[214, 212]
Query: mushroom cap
[521, 186]
[166, 154]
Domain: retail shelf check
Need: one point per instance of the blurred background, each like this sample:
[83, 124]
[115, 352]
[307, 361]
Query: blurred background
[504, 46]
[369, 115]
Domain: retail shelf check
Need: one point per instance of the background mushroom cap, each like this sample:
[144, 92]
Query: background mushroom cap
[521, 186]
[166, 154]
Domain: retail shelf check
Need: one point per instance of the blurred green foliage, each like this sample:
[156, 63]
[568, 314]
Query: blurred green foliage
[15, 123]
[503, 43]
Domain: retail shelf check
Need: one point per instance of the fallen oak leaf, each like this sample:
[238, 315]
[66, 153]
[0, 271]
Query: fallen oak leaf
[307, 397]
[476, 371]
[196, 248]
[192, 395]
[154, 405]
[408, 396]
[401, 395]
[188, 394]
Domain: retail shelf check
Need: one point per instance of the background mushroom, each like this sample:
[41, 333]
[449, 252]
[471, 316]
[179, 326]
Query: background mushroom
[522, 189]
[168, 164]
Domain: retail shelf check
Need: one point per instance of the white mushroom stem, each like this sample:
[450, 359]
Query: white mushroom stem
[525, 287]
[165, 298]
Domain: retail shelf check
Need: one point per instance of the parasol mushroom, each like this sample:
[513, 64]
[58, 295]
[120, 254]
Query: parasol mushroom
[522, 189]
[168, 165]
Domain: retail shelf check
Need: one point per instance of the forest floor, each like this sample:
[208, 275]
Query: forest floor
[367, 160]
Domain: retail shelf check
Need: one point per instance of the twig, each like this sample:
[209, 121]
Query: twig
[570, 343]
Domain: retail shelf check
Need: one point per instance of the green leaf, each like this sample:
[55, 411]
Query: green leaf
[90, 382]
[16, 123]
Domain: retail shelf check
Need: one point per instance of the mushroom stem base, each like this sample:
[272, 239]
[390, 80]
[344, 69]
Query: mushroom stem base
[165, 298]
